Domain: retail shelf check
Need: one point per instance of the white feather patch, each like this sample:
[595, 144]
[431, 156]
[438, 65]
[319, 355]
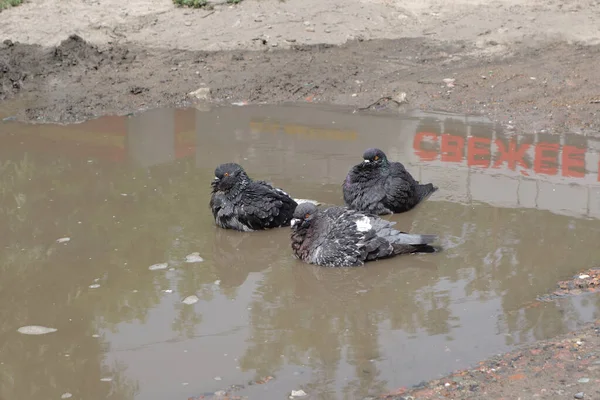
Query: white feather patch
[363, 224]
[300, 201]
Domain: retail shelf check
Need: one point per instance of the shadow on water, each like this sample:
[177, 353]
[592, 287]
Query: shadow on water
[515, 212]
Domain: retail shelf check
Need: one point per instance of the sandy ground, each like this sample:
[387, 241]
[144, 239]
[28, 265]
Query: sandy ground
[531, 65]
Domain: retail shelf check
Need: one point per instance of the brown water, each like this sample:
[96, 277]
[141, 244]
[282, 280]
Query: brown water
[515, 213]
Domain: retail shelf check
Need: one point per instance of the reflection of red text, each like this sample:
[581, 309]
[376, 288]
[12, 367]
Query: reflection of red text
[546, 158]
[510, 153]
[425, 155]
[573, 161]
[452, 148]
[478, 152]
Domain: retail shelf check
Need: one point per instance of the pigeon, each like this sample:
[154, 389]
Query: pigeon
[240, 203]
[340, 237]
[381, 187]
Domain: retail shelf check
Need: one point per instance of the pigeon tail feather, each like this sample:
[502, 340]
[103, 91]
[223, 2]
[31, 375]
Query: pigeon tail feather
[424, 191]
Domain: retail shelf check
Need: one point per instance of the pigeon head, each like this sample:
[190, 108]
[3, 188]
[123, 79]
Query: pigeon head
[228, 176]
[374, 157]
[303, 215]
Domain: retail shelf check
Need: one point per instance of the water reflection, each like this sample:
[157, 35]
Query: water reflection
[515, 213]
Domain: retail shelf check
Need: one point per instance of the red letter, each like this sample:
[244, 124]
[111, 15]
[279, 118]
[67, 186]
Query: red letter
[573, 157]
[452, 148]
[424, 155]
[546, 164]
[477, 153]
[512, 155]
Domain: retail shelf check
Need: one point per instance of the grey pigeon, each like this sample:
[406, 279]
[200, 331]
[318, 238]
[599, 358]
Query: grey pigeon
[340, 237]
[240, 203]
[381, 187]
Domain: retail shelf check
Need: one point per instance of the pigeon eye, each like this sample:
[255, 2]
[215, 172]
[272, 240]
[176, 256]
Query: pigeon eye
[306, 216]
[226, 174]
[376, 158]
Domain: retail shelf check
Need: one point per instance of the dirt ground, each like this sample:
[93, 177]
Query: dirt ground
[531, 65]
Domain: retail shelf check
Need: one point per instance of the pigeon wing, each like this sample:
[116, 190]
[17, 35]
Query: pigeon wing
[264, 206]
[399, 190]
[339, 246]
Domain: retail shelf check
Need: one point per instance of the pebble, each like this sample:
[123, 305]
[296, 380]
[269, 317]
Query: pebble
[188, 24]
[193, 258]
[298, 393]
[310, 29]
[579, 395]
[156, 267]
[202, 93]
[35, 330]
[66, 395]
[584, 380]
[94, 286]
[191, 300]
[217, 378]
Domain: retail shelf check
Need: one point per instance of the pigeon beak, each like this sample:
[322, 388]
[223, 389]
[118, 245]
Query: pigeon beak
[366, 161]
[216, 179]
[293, 222]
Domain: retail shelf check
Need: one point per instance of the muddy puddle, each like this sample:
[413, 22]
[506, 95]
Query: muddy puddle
[516, 213]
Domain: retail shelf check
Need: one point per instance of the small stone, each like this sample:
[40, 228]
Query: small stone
[401, 98]
[157, 267]
[201, 93]
[584, 380]
[583, 276]
[94, 286]
[107, 379]
[190, 300]
[327, 31]
[307, 23]
[193, 258]
[354, 94]
[217, 378]
[188, 23]
[220, 393]
[35, 330]
[579, 395]
[310, 29]
[66, 395]
[273, 44]
[298, 393]
[63, 240]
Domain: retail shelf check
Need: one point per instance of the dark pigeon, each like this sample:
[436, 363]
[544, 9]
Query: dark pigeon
[240, 203]
[381, 187]
[340, 237]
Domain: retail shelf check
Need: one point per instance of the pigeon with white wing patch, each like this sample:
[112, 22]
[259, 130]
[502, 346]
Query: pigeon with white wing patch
[340, 237]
